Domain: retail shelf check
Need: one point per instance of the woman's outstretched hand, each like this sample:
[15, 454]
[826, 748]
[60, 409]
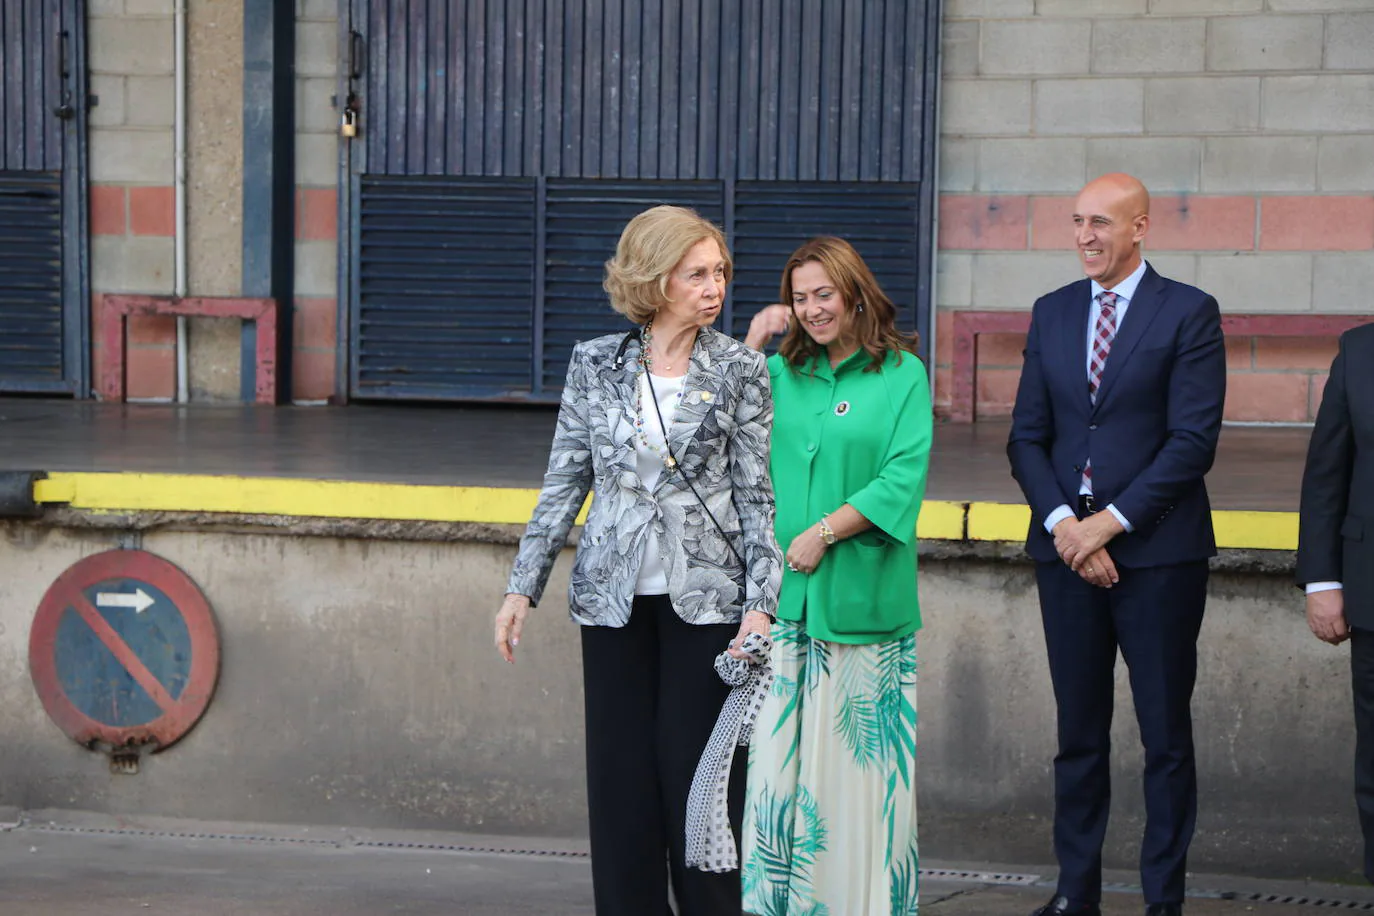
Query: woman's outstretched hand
[510, 621]
[771, 321]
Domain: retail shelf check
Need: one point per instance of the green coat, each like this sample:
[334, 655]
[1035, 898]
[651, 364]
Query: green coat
[863, 438]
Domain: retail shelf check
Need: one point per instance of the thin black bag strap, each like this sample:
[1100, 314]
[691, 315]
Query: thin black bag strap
[677, 465]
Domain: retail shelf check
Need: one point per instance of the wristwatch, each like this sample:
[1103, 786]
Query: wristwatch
[827, 533]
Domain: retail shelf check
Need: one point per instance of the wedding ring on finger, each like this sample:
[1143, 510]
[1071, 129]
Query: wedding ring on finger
[792, 566]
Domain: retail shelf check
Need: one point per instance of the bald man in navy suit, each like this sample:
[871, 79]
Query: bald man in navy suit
[1116, 422]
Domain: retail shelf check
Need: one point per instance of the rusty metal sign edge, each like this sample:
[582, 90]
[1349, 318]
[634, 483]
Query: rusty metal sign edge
[189, 601]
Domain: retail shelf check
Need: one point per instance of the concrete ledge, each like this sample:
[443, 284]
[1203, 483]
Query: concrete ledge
[351, 529]
[1237, 560]
[186, 499]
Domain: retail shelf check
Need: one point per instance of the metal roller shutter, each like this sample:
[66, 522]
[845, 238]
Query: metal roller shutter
[773, 218]
[44, 303]
[445, 287]
[30, 279]
[777, 119]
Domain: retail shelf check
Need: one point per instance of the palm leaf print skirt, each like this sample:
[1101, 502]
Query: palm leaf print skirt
[830, 821]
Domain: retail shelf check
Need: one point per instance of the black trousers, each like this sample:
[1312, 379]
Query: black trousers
[653, 696]
[1153, 615]
[1362, 680]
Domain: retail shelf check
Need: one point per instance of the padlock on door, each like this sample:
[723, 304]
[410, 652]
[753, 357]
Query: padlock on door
[349, 127]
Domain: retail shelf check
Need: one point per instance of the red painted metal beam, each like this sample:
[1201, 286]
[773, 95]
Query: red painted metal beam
[967, 327]
[115, 310]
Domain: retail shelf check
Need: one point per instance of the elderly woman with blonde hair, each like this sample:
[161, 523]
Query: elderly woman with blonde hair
[669, 425]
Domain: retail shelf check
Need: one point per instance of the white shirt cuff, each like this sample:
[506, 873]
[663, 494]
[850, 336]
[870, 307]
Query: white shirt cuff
[1057, 516]
[1313, 587]
[1120, 518]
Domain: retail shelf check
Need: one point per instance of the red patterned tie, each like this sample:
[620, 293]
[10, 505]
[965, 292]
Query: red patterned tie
[1104, 332]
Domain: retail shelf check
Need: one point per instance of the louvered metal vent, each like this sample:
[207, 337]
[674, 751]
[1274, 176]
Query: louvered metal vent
[30, 278]
[773, 218]
[445, 287]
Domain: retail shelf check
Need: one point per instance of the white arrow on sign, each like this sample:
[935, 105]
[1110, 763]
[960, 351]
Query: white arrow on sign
[140, 601]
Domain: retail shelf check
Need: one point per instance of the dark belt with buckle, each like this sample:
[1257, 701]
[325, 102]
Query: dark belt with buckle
[1087, 505]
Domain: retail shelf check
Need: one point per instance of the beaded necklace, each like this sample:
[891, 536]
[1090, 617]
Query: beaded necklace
[646, 363]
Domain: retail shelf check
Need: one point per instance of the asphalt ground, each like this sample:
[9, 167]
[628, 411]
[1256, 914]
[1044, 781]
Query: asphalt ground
[64, 864]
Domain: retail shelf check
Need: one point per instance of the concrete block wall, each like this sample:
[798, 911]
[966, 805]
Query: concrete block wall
[317, 201]
[1250, 121]
[132, 198]
[131, 174]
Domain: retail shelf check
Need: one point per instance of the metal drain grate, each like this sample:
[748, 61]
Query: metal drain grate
[1325, 902]
[180, 835]
[490, 850]
[980, 877]
[345, 843]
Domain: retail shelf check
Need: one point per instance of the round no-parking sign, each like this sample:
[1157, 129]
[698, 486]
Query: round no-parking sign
[124, 650]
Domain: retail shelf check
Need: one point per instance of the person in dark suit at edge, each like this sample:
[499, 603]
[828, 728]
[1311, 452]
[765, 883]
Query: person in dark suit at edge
[1335, 557]
[1116, 421]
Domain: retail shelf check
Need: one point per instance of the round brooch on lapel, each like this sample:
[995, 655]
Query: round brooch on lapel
[841, 408]
[706, 396]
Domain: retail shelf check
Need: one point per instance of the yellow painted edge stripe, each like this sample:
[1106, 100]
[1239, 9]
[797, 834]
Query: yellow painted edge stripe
[1256, 530]
[288, 497]
[1235, 528]
[997, 521]
[291, 497]
[940, 520]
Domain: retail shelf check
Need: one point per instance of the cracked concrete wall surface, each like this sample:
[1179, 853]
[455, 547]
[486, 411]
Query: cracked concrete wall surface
[359, 687]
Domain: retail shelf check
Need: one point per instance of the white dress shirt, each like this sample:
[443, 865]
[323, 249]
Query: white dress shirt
[1125, 291]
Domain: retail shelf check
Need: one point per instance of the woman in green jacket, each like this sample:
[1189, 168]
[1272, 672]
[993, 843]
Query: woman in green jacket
[830, 819]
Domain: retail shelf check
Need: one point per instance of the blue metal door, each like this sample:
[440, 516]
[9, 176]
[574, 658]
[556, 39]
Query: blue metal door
[43, 298]
[504, 143]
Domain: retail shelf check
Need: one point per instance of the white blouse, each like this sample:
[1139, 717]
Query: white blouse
[653, 577]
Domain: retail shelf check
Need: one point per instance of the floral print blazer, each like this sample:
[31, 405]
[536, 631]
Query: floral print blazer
[719, 436]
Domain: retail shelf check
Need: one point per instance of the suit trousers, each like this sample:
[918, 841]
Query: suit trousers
[1362, 680]
[1153, 616]
[652, 699]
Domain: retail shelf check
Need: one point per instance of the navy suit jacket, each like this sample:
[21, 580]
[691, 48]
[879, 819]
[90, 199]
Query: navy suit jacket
[1152, 433]
[1336, 527]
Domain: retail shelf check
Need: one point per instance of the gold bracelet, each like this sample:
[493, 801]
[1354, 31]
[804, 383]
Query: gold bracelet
[826, 533]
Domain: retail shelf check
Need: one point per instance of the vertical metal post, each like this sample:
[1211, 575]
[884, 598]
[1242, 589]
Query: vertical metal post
[928, 211]
[269, 51]
[76, 262]
[352, 158]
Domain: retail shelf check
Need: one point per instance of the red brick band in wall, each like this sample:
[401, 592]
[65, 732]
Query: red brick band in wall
[968, 325]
